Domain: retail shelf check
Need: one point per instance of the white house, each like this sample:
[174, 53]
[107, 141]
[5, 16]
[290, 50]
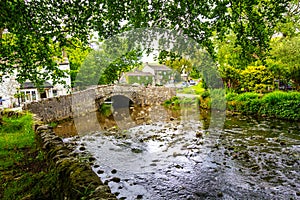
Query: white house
[13, 94]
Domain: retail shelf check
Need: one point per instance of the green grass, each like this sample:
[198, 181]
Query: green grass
[16, 132]
[106, 109]
[23, 170]
[53, 124]
[29, 186]
[195, 89]
[175, 102]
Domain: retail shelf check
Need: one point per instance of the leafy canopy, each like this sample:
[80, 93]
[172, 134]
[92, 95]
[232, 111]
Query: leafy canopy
[107, 63]
[33, 33]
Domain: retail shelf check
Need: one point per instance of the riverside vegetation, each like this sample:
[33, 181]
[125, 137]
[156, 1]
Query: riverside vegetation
[35, 164]
[276, 104]
[24, 173]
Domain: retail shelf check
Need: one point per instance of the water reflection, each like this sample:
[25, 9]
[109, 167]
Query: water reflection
[124, 118]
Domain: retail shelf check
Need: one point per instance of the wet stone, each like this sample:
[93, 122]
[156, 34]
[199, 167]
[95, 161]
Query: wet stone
[282, 143]
[92, 159]
[220, 194]
[248, 154]
[82, 148]
[115, 179]
[136, 150]
[117, 193]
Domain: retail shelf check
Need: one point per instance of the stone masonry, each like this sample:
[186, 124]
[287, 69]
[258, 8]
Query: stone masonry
[86, 101]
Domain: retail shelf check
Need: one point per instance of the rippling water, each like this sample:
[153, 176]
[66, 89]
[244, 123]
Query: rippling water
[177, 157]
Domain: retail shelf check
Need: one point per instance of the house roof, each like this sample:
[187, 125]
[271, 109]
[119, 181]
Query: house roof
[30, 85]
[158, 67]
[139, 73]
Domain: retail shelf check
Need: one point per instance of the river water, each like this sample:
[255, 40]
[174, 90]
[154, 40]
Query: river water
[156, 153]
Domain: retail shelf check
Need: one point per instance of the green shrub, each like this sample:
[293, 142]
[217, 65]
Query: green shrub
[287, 109]
[256, 78]
[198, 89]
[205, 94]
[276, 96]
[175, 102]
[247, 96]
[218, 99]
[106, 109]
[252, 106]
[53, 124]
[230, 96]
[283, 105]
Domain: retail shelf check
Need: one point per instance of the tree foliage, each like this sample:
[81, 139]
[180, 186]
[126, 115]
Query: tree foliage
[256, 78]
[108, 63]
[123, 64]
[76, 55]
[286, 53]
[39, 30]
[176, 62]
[291, 24]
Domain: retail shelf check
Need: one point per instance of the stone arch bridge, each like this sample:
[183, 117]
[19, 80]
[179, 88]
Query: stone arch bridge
[86, 101]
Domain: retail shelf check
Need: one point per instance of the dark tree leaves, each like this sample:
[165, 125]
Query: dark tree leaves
[39, 30]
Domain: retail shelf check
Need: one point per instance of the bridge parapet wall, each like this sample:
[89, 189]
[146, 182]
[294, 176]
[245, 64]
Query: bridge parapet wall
[157, 95]
[83, 102]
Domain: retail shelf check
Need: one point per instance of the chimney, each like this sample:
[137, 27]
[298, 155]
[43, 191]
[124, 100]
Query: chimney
[64, 53]
[65, 57]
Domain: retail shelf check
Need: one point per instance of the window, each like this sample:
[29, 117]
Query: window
[54, 93]
[23, 96]
[43, 95]
[33, 95]
[28, 96]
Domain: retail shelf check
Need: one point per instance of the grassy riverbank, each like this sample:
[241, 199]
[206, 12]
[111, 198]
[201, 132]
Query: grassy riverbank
[23, 170]
[277, 104]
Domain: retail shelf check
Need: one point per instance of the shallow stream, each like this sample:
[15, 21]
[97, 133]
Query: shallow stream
[178, 156]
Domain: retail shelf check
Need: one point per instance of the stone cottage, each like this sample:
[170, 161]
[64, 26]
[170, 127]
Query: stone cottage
[13, 94]
[154, 74]
[162, 74]
[139, 77]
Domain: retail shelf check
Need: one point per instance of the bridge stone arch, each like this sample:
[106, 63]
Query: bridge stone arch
[83, 102]
[134, 94]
